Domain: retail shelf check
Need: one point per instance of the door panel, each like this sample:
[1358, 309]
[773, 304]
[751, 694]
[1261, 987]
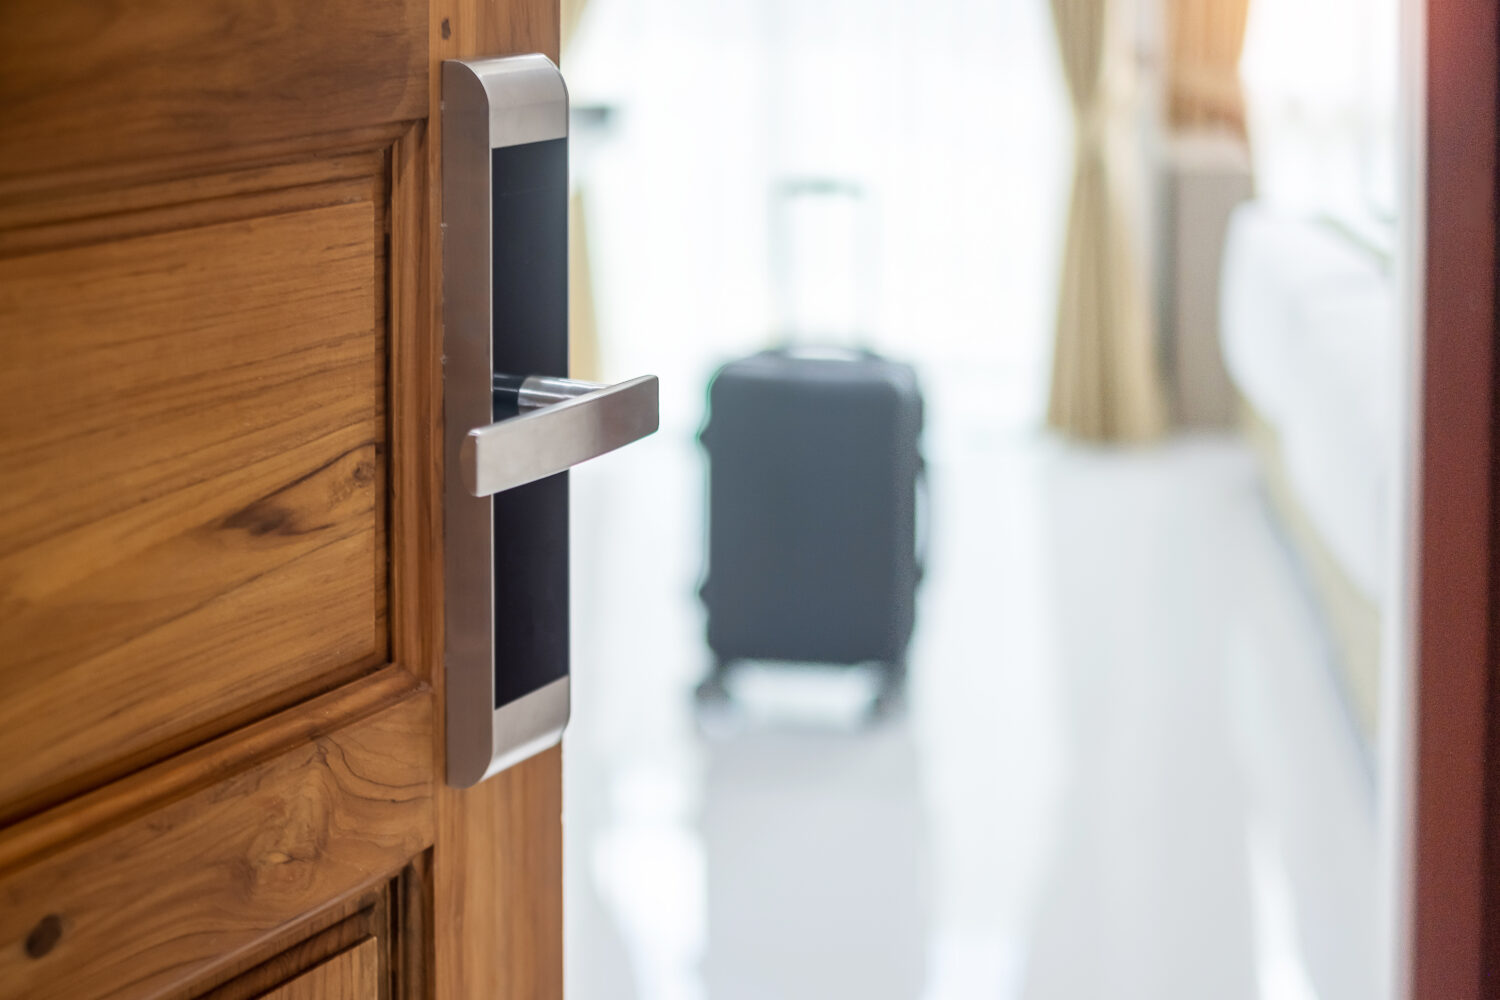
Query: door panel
[194, 460]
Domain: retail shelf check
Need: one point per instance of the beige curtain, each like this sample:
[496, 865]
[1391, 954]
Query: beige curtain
[1105, 381]
[1204, 41]
[570, 12]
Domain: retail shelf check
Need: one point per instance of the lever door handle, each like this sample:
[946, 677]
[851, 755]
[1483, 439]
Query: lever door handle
[559, 423]
[508, 439]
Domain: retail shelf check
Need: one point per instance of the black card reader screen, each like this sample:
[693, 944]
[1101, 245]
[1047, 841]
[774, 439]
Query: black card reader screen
[529, 231]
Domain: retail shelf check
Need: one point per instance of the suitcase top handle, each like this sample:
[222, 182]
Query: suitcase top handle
[823, 353]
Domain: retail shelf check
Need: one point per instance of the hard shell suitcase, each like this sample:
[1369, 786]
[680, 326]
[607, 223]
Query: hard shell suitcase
[814, 465]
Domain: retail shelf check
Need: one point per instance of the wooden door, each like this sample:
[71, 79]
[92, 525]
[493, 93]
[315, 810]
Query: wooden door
[220, 462]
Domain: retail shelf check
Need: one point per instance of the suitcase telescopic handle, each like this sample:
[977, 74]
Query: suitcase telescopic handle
[558, 423]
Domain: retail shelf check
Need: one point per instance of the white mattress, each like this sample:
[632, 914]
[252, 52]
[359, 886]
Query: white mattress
[1310, 334]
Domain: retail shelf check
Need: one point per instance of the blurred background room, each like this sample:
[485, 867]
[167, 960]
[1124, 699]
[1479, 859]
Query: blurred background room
[1141, 257]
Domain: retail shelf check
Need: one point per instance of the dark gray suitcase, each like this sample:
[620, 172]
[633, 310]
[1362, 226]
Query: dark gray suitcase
[814, 465]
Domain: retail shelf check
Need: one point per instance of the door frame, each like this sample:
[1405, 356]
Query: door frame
[1440, 769]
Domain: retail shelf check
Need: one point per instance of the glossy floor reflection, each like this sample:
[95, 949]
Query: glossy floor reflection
[1124, 771]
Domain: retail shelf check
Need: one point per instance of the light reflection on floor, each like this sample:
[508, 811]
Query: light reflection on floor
[1125, 770]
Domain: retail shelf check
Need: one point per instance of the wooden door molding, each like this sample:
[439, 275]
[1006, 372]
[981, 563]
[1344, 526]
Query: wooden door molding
[349, 975]
[203, 767]
[1454, 921]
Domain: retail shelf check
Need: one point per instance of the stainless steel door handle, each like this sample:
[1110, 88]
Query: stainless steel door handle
[559, 423]
[508, 440]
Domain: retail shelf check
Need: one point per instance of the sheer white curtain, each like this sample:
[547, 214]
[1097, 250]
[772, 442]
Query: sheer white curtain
[1322, 89]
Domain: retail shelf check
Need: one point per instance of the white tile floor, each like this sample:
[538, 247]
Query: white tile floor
[1125, 771]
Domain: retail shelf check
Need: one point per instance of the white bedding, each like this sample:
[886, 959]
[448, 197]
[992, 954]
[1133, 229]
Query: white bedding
[1309, 329]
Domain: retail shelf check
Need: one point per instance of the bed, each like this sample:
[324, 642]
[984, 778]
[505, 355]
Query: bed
[1309, 333]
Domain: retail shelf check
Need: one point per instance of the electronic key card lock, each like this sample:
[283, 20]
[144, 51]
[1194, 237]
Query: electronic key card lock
[514, 424]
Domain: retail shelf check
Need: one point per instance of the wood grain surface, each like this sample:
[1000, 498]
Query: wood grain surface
[498, 854]
[302, 946]
[162, 900]
[192, 437]
[220, 542]
[191, 771]
[86, 83]
[349, 975]
[392, 914]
